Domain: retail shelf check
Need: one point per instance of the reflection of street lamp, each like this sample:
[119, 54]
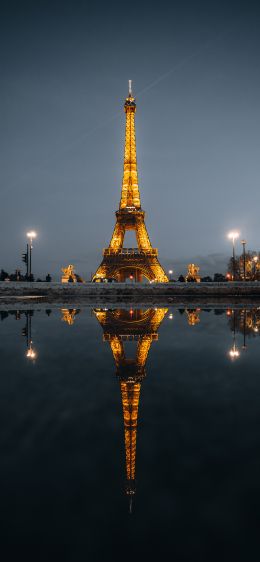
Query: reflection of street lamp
[170, 316]
[31, 235]
[243, 242]
[27, 331]
[233, 235]
[234, 352]
[31, 354]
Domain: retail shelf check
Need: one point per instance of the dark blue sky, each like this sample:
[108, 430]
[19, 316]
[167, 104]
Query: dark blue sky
[64, 72]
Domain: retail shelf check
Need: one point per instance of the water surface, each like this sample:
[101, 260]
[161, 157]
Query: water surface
[130, 434]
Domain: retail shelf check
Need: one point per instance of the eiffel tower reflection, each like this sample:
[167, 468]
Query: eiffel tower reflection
[139, 326]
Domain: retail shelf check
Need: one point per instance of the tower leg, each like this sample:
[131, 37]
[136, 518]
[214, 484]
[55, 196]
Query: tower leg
[142, 236]
[118, 235]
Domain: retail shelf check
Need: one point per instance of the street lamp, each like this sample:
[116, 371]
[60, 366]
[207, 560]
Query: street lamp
[31, 235]
[233, 235]
[243, 242]
[170, 273]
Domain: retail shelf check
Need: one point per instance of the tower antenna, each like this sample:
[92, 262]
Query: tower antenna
[130, 87]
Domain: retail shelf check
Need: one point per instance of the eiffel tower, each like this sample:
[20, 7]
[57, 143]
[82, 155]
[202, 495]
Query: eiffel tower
[130, 325]
[118, 262]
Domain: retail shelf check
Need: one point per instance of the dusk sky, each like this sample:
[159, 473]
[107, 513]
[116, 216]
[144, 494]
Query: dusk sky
[64, 77]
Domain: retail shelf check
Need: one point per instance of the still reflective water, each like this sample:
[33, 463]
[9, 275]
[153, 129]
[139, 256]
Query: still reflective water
[130, 434]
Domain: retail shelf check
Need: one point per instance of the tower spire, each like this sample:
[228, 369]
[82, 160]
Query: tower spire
[130, 196]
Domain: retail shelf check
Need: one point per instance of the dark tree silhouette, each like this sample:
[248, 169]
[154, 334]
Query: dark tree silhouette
[3, 275]
[219, 278]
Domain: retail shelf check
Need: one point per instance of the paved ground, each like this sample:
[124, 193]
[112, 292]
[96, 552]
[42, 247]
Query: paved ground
[161, 293]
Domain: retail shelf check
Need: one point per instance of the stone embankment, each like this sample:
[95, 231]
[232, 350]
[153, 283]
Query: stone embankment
[160, 293]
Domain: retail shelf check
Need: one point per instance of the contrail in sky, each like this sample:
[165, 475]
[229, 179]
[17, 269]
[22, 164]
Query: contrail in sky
[146, 89]
[154, 83]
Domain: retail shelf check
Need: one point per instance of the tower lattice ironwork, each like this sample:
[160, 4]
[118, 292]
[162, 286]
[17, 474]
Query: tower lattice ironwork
[118, 262]
[135, 325]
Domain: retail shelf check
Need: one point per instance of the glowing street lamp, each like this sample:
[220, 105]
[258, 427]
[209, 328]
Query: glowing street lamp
[170, 273]
[233, 235]
[31, 235]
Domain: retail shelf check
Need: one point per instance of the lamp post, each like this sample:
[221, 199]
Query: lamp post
[25, 259]
[31, 235]
[170, 273]
[243, 242]
[233, 236]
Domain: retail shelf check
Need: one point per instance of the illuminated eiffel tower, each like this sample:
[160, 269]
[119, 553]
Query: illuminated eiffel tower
[118, 262]
[130, 325]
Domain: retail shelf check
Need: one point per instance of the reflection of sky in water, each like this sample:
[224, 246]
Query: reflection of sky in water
[62, 441]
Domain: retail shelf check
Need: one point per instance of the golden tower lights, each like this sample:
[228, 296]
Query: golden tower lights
[118, 262]
[130, 325]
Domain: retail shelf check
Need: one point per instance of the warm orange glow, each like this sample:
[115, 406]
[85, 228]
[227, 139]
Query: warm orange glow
[68, 272]
[117, 327]
[193, 317]
[68, 315]
[31, 353]
[193, 272]
[118, 261]
[130, 196]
